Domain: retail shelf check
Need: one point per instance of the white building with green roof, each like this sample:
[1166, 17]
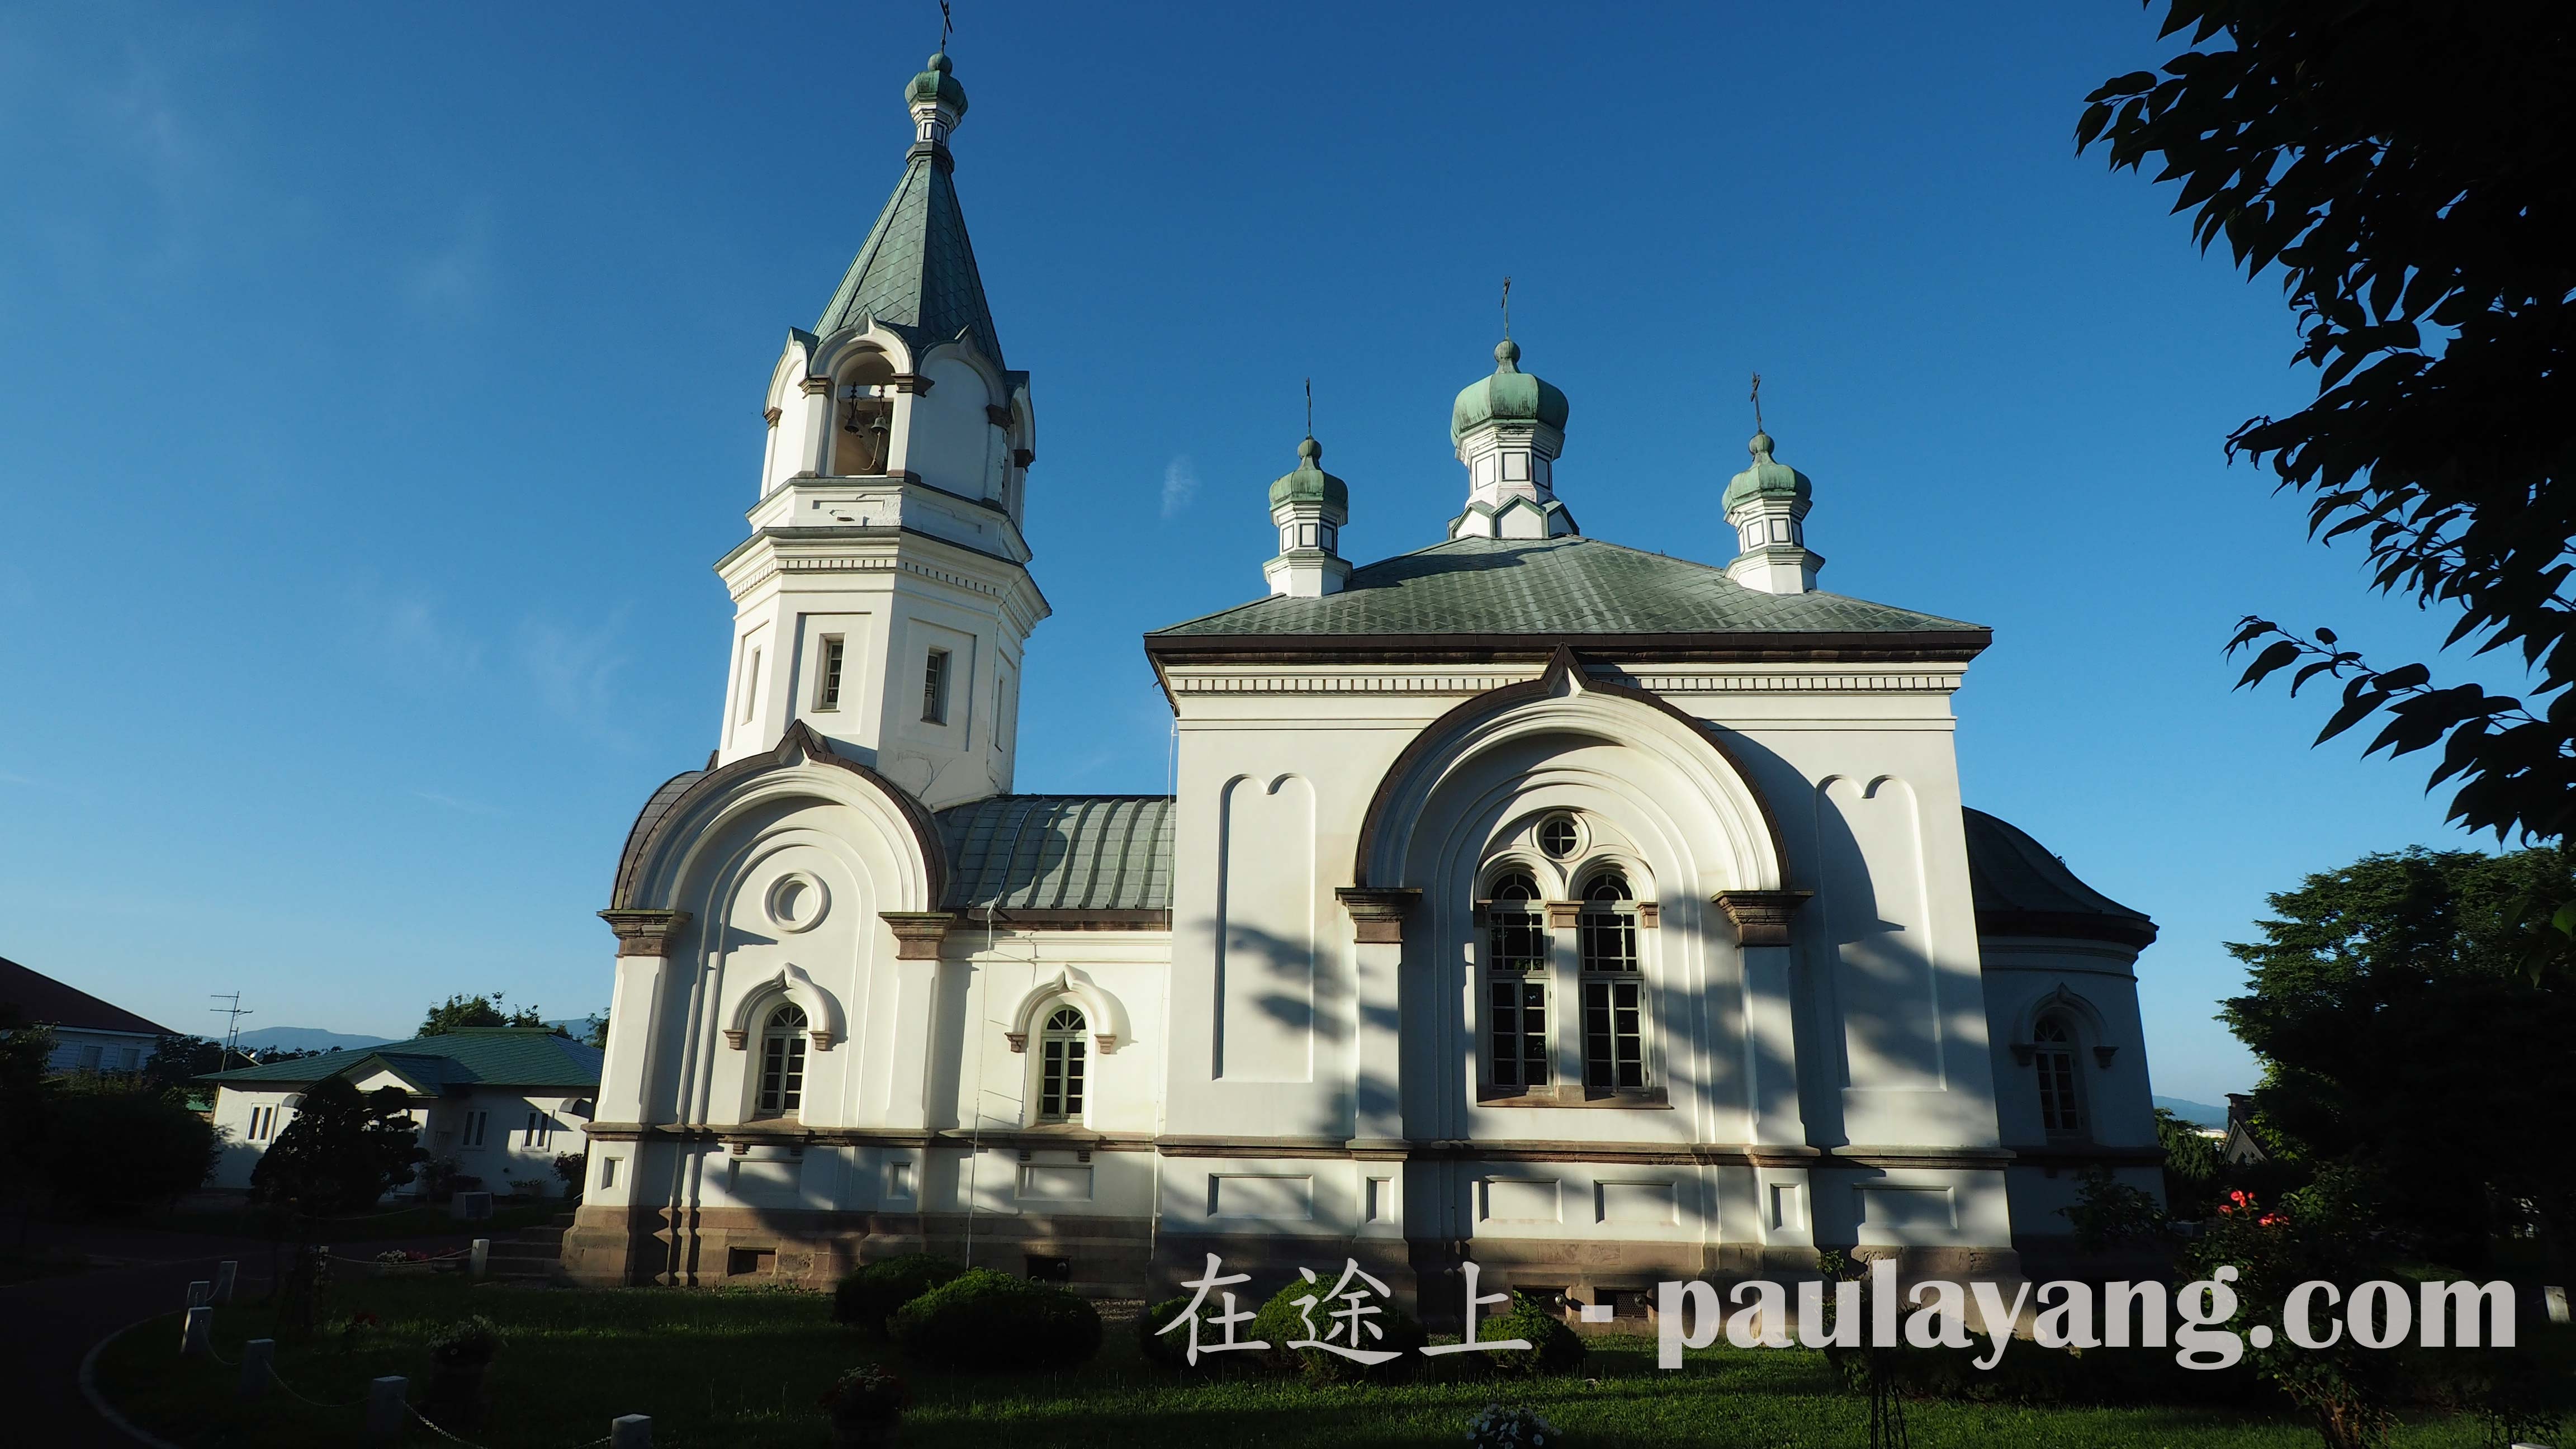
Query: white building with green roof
[1592, 914]
[499, 1103]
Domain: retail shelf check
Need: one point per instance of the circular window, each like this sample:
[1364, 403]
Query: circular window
[795, 901]
[1559, 836]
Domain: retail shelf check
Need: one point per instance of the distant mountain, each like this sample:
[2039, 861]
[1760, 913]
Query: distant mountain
[306, 1039]
[2200, 1112]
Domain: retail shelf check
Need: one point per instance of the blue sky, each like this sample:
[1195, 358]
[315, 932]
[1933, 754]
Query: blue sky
[378, 384]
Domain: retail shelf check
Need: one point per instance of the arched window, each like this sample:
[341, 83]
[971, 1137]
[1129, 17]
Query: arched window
[2061, 1107]
[1516, 984]
[1614, 1035]
[1064, 1054]
[782, 1062]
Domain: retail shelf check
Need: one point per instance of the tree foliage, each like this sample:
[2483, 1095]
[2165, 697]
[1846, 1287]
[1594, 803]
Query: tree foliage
[463, 1011]
[2399, 1032]
[340, 1154]
[2410, 168]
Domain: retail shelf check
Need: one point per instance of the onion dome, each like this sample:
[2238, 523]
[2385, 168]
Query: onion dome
[1310, 483]
[1765, 479]
[1509, 396]
[936, 84]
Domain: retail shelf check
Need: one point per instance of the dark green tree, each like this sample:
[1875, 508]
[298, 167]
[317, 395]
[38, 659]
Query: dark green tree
[341, 1153]
[2409, 167]
[2400, 1035]
[464, 1011]
[26, 1104]
[115, 1144]
[177, 1061]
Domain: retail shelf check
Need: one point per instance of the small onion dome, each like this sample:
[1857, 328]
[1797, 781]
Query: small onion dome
[1310, 483]
[1765, 479]
[1509, 396]
[936, 84]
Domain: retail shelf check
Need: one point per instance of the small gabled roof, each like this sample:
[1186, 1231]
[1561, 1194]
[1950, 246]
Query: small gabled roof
[1559, 588]
[474, 1056]
[2020, 889]
[43, 1001]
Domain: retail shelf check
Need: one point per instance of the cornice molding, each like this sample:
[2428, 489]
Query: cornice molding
[1761, 917]
[645, 932]
[1378, 912]
[1766, 682]
[917, 934]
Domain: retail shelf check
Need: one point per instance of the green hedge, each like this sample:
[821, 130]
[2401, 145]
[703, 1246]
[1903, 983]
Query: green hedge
[1279, 1323]
[984, 1319]
[1554, 1347]
[869, 1295]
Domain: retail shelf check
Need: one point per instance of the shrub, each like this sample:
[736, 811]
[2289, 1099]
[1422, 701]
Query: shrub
[867, 1395]
[983, 1319]
[466, 1344]
[1496, 1427]
[1171, 1350]
[1282, 1321]
[1554, 1347]
[868, 1295]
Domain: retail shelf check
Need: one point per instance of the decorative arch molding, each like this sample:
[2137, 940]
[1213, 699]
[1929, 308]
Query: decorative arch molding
[1564, 699]
[2095, 1025]
[826, 356]
[823, 1019]
[804, 765]
[1107, 1016]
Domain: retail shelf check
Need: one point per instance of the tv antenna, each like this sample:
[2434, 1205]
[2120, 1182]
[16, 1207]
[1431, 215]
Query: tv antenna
[232, 1015]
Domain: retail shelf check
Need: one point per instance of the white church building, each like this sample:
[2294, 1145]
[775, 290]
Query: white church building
[1591, 914]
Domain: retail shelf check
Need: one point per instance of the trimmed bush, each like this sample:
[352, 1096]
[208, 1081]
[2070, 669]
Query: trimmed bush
[1554, 1347]
[983, 1319]
[868, 1295]
[1280, 1322]
[1171, 1350]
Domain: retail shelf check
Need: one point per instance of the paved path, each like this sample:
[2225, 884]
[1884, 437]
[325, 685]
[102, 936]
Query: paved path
[48, 1325]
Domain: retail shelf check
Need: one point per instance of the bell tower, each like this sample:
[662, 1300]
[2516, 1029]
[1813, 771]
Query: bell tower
[883, 596]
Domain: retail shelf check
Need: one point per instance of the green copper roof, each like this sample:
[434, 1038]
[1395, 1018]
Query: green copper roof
[1510, 395]
[936, 84]
[916, 272]
[1551, 588]
[1311, 484]
[498, 1056]
[1765, 479]
[1059, 853]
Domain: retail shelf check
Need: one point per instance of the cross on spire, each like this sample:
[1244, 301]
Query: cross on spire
[1507, 309]
[1310, 407]
[1757, 403]
[947, 25]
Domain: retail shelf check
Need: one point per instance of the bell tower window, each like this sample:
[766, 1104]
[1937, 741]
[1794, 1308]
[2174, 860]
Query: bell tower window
[863, 413]
[934, 688]
[827, 674]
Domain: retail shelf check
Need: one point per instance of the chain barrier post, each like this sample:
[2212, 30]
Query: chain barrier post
[196, 1336]
[257, 1356]
[225, 1273]
[631, 1431]
[482, 1257]
[201, 1293]
[388, 1399]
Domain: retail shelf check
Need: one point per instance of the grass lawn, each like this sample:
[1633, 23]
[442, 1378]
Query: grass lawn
[414, 1222]
[19, 1267]
[743, 1370]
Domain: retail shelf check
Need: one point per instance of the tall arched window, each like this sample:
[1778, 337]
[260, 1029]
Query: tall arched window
[782, 1062]
[1614, 1036]
[1064, 1054]
[2061, 1107]
[1516, 984]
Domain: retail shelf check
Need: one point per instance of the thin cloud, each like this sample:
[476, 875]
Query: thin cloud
[1180, 485]
[574, 671]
